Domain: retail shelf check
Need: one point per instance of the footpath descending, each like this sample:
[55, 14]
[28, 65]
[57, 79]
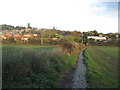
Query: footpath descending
[79, 79]
[75, 78]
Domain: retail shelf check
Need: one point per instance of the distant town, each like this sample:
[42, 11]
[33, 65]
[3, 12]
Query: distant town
[32, 35]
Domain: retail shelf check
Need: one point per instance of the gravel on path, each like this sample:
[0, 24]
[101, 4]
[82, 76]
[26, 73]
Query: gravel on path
[79, 79]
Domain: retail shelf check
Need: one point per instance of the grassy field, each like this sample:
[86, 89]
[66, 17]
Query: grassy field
[102, 64]
[33, 66]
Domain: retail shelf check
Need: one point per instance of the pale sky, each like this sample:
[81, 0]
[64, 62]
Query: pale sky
[80, 15]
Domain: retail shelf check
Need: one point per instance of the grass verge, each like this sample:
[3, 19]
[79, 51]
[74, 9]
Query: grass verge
[102, 67]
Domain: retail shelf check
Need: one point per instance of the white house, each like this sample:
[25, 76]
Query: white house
[97, 38]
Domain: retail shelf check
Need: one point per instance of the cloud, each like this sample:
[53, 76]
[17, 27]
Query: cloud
[108, 9]
[83, 15]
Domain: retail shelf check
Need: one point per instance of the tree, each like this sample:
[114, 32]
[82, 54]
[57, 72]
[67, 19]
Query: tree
[10, 27]
[85, 39]
[95, 33]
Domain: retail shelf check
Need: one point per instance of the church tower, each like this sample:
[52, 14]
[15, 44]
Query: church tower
[28, 25]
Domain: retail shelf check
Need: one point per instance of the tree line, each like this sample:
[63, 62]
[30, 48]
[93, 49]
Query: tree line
[10, 27]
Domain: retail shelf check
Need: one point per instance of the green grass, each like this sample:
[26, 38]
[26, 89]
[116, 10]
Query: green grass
[33, 66]
[102, 64]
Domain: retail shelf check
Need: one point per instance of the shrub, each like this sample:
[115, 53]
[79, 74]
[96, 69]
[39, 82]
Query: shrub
[67, 46]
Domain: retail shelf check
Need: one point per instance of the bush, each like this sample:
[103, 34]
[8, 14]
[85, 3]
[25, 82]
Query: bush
[67, 46]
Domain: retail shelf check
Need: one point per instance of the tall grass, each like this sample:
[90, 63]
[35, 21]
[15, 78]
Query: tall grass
[34, 67]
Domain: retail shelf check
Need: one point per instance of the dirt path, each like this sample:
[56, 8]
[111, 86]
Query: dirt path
[75, 78]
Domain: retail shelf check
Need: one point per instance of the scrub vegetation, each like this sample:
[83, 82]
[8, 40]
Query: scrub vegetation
[35, 66]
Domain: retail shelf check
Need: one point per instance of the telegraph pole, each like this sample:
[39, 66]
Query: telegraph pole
[41, 37]
[82, 38]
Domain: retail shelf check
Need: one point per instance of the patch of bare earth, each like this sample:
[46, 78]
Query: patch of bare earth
[67, 79]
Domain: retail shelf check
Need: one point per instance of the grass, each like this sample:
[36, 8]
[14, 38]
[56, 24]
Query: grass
[33, 66]
[102, 64]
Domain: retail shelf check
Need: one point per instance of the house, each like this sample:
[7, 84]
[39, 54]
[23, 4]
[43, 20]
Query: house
[116, 35]
[18, 38]
[97, 38]
[2, 37]
[24, 38]
[35, 35]
[54, 38]
[100, 35]
[110, 33]
[27, 35]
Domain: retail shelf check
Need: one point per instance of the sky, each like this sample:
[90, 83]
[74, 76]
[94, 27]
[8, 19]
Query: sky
[80, 15]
